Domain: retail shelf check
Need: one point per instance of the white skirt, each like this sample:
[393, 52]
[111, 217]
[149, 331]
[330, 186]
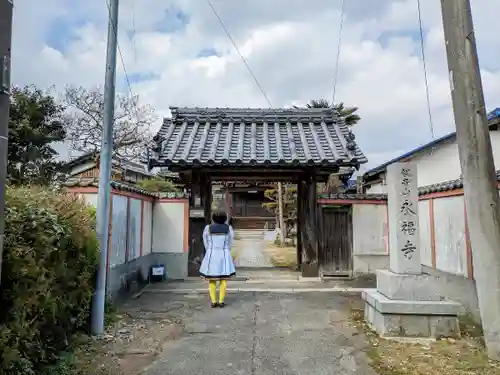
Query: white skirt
[217, 264]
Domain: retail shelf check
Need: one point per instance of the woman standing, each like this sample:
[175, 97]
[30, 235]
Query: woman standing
[218, 263]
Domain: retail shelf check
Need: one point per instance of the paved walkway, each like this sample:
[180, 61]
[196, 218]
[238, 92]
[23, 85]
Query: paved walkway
[260, 334]
[250, 254]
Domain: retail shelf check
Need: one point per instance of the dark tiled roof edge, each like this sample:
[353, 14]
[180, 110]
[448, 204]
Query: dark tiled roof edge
[428, 189]
[93, 182]
[312, 139]
[445, 186]
[349, 196]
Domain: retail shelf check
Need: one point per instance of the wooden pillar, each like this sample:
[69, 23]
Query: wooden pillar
[311, 268]
[195, 188]
[300, 224]
[228, 204]
[313, 206]
[196, 224]
[206, 197]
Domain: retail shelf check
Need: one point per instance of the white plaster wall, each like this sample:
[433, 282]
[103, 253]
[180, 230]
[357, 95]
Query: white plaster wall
[495, 145]
[134, 229]
[90, 198]
[438, 165]
[364, 264]
[370, 236]
[369, 224]
[449, 221]
[118, 246]
[425, 233]
[147, 227]
[441, 163]
[378, 188]
[168, 227]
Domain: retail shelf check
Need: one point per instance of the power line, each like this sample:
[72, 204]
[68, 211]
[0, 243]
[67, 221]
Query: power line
[239, 53]
[422, 47]
[122, 60]
[339, 44]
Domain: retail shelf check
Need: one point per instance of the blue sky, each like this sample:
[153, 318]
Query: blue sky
[176, 53]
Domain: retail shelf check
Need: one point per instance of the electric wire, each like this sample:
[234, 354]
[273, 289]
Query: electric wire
[339, 45]
[424, 64]
[122, 61]
[228, 34]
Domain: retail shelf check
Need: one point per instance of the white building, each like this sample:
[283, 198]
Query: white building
[437, 161]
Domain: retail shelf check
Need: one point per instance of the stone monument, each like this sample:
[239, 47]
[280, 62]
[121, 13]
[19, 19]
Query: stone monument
[407, 302]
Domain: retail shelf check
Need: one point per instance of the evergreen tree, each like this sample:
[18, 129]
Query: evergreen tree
[34, 126]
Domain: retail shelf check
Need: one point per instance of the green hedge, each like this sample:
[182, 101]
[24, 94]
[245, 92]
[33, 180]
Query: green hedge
[49, 263]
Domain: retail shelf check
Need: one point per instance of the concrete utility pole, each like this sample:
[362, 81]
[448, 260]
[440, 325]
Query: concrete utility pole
[106, 154]
[476, 159]
[6, 10]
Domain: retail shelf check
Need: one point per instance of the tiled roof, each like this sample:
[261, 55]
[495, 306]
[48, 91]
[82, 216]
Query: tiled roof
[120, 185]
[348, 196]
[117, 161]
[445, 186]
[428, 189]
[133, 166]
[236, 136]
[94, 182]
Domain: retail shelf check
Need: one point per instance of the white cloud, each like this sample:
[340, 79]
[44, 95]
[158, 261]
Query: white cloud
[290, 45]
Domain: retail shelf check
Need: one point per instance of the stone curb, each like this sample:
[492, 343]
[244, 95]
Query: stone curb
[282, 281]
[263, 290]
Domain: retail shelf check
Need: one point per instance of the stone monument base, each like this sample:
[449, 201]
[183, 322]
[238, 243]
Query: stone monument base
[410, 306]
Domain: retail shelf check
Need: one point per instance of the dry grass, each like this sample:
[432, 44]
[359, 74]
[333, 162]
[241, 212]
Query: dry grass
[281, 256]
[465, 356]
[234, 254]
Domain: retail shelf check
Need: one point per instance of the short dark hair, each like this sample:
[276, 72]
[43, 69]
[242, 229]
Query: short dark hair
[219, 217]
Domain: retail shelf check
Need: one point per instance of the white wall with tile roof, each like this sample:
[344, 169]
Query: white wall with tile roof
[440, 163]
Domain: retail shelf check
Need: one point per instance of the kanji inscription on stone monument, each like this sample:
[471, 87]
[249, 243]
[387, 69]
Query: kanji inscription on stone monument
[403, 218]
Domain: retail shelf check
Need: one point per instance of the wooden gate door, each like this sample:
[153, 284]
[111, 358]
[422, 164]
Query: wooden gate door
[335, 253]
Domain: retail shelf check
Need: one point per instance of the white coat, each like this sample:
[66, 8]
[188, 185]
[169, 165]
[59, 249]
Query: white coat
[217, 262]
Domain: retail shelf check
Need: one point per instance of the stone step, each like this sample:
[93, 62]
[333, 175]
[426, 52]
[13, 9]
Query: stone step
[252, 223]
[249, 234]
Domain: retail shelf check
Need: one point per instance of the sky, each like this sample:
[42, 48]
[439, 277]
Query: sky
[175, 53]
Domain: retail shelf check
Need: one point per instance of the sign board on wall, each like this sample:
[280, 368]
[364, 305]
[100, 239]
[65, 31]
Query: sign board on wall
[197, 213]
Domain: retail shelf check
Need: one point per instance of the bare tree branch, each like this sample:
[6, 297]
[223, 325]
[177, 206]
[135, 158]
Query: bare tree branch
[85, 116]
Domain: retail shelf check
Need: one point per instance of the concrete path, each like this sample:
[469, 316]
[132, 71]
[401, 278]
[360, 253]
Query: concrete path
[250, 254]
[260, 334]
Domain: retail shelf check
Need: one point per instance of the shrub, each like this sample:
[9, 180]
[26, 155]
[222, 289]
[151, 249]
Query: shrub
[49, 263]
[158, 185]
